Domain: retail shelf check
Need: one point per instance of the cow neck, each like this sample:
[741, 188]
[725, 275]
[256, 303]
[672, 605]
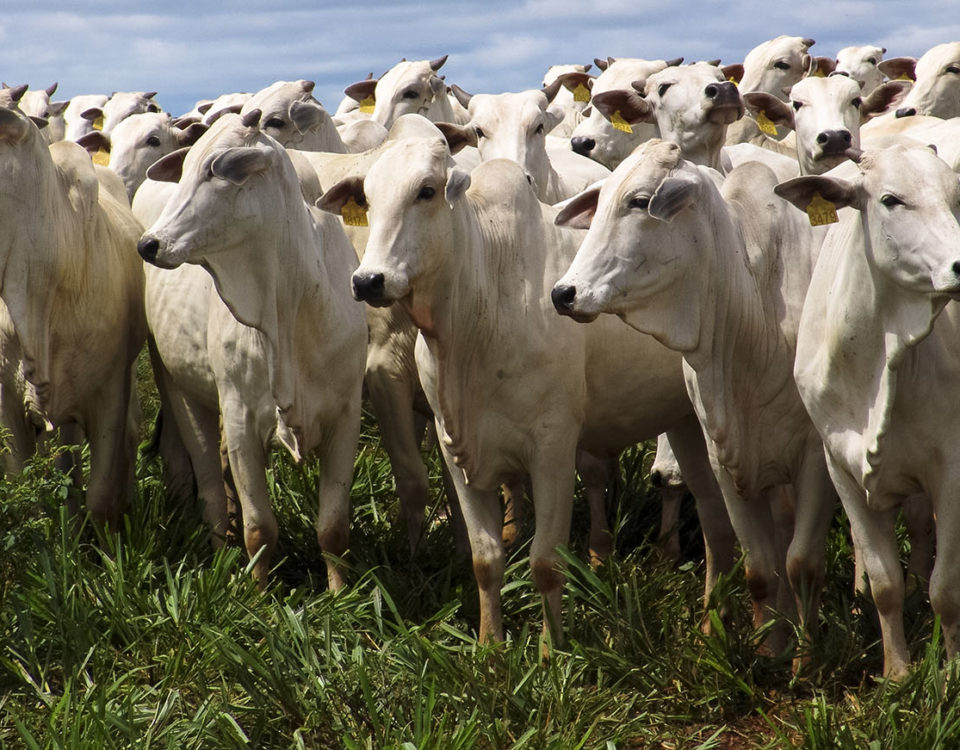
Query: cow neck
[853, 347]
[743, 363]
[493, 294]
[704, 151]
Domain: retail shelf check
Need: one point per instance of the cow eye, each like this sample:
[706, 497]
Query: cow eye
[781, 65]
[479, 132]
[796, 105]
[641, 201]
[274, 122]
[539, 130]
[889, 200]
[410, 94]
[872, 60]
[153, 141]
[857, 102]
[662, 89]
[426, 193]
[953, 69]
[151, 107]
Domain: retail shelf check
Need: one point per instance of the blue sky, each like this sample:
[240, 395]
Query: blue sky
[192, 50]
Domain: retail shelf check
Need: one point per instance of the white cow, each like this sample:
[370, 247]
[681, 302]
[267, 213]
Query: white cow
[775, 65]
[570, 100]
[860, 64]
[936, 88]
[595, 137]
[690, 105]
[72, 307]
[119, 106]
[409, 87]
[288, 351]
[719, 278]
[665, 474]
[137, 142]
[515, 389]
[37, 103]
[76, 124]
[515, 126]
[878, 369]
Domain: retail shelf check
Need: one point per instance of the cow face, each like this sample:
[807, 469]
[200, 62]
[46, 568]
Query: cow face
[642, 242]
[937, 88]
[909, 201]
[826, 117]
[775, 66]
[860, 64]
[409, 193]
[408, 88]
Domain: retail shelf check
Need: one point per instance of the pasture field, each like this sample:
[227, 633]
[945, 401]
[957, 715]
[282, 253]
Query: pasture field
[149, 639]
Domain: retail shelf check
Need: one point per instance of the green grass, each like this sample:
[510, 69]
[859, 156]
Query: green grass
[150, 639]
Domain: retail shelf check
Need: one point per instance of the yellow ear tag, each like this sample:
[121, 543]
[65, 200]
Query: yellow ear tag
[367, 105]
[102, 158]
[98, 123]
[904, 77]
[766, 124]
[819, 74]
[354, 215]
[821, 211]
[581, 93]
[616, 119]
[734, 81]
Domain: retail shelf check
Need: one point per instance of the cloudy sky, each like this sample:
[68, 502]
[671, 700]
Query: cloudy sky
[192, 50]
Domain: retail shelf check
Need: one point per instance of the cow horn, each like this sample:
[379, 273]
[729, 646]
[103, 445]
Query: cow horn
[251, 119]
[307, 86]
[462, 96]
[438, 63]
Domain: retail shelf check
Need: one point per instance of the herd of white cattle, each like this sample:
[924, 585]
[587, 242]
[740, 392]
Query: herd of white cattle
[779, 239]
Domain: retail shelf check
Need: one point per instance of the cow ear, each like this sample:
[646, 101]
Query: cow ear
[774, 109]
[733, 72]
[238, 164]
[56, 108]
[306, 114]
[899, 67]
[458, 136]
[203, 106]
[672, 196]
[631, 107]
[13, 125]
[190, 134]
[825, 65]
[168, 168]
[457, 183]
[337, 196]
[361, 90]
[578, 211]
[92, 114]
[94, 142]
[552, 117]
[883, 97]
[800, 191]
[40, 122]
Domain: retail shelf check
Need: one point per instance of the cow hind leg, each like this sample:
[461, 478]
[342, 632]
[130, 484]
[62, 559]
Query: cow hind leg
[595, 474]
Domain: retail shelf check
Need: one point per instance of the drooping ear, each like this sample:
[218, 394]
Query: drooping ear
[94, 142]
[458, 136]
[824, 65]
[203, 106]
[672, 196]
[462, 96]
[168, 168]
[733, 72]
[437, 86]
[570, 81]
[13, 127]
[233, 109]
[56, 108]
[632, 107]
[897, 68]
[775, 110]
[457, 183]
[800, 191]
[40, 122]
[361, 90]
[184, 122]
[238, 164]
[883, 97]
[92, 114]
[190, 134]
[336, 197]
[305, 114]
[552, 117]
[578, 211]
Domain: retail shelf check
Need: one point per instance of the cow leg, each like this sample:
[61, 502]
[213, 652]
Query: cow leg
[918, 517]
[484, 520]
[553, 488]
[816, 502]
[875, 536]
[337, 454]
[719, 540]
[513, 514]
[944, 587]
[668, 538]
[393, 406]
[248, 462]
[178, 468]
[111, 432]
[594, 474]
[20, 435]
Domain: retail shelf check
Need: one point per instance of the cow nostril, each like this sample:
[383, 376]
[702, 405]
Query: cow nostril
[906, 112]
[529, 178]
[148, 247]
[822, 138]
[582, 145]
[368, 286]
[563, 297]
[846, 137]
[956, 267]
[712, 91]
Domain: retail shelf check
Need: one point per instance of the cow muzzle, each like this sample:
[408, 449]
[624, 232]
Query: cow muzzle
[148, 247]
[564, 297]
[369, 288]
